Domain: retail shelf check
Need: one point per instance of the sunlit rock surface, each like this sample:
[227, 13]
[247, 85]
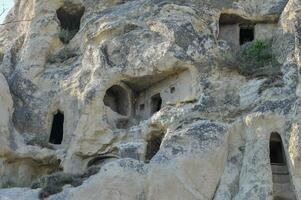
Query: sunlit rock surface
[135, 100]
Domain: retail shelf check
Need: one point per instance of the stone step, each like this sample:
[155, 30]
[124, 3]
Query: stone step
[279, 169]
[283, 191]
[284, 197]
[281, 178]
[282, 187]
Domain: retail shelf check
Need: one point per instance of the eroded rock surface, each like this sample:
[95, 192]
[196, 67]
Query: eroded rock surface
[143, 99]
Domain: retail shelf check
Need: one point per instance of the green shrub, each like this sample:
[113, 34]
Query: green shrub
[66, 35]
[257, 49]
[254, 59]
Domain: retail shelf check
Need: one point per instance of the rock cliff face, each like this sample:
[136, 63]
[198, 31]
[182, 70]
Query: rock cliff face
[151, 100]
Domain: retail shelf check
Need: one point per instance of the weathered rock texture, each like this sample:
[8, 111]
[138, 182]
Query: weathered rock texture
[146, 98]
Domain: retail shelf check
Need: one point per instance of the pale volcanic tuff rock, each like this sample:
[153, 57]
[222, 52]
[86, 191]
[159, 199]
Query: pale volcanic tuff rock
[141, 91]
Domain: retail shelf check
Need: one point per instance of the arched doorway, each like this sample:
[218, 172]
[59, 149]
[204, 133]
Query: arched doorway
[153, 146]
[282, 187]
[69, 16]
[277, 156]
[117, 99]
[57, 129]
[156, 103]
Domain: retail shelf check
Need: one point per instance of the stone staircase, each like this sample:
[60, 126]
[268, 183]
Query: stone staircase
[282, 188]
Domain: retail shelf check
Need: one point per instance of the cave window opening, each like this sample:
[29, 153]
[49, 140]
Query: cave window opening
[116, 98]
[153, 146]
[57, 129]
[246, 34]
[172, 90]
[156, 103]
[276, 150]
[142, 106]
[70, 18]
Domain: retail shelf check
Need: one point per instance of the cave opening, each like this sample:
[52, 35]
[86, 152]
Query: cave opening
[156, 103]
[282, 185]
[153, 146]
[246, 34]
[70, 17]
[57, 129]
[276, 150]
[116, 98]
